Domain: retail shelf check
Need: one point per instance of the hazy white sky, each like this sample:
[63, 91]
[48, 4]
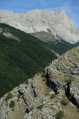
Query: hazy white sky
[71, 7]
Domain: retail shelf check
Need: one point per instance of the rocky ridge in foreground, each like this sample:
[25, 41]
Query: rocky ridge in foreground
[37, 100]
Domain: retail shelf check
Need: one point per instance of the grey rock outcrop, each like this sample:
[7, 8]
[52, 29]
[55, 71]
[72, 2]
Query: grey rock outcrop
[65, 70]
[57, 22]
[74, 92]
[32, 102]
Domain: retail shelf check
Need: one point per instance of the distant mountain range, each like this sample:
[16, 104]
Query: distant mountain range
[55, 22]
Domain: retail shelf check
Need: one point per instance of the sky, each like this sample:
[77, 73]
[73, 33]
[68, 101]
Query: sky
[71, 7]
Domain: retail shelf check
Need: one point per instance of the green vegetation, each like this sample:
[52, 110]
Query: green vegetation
[60, 115]
[12, 104]
[9, 96]
[44, 79]
[40, 107]
[13, 109]
[18, 97]
[26, 81]
[52, 96]
[20, 60]
[64, 101]
[61, 46]
[43, 74]
[69, 81]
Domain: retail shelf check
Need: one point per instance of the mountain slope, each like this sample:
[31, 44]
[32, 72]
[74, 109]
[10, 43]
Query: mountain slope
[59, 45]
[21, 56]
[59, 99]
[57, 22]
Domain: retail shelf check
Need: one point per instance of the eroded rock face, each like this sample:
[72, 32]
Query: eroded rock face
[9, 35]
[65, 70]
[55, 22]
[74, 92]
[33, 103]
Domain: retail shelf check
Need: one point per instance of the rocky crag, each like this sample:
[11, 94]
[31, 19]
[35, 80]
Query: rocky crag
[55, 23]
[53, 94]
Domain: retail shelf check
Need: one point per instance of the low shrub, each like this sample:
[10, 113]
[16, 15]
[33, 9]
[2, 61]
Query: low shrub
[69, 81]
[64, 102]
[44, 79]
[9, 96]
[60, 115]
[52, 96]
[12, 104]
[26, 81]
[40, 107]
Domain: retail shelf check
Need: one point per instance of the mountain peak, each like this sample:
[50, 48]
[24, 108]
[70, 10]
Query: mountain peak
[41, 20]
[36, 10]
[61, 10]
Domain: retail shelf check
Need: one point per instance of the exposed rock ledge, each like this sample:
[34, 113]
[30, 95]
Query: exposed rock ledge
[34, 101]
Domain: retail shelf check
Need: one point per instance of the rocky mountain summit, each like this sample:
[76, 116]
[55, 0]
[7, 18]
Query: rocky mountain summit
[53, 94]
[56, 23]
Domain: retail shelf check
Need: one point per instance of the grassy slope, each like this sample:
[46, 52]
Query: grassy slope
[20, 60]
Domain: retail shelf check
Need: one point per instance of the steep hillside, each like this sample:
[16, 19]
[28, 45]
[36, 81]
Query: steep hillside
[56, 42]
[50, 95]
[21, 56]
[45, 36]
[57, 22]
[61, 46]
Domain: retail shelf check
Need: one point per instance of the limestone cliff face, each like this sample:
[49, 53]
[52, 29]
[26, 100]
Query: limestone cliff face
[41, 20]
